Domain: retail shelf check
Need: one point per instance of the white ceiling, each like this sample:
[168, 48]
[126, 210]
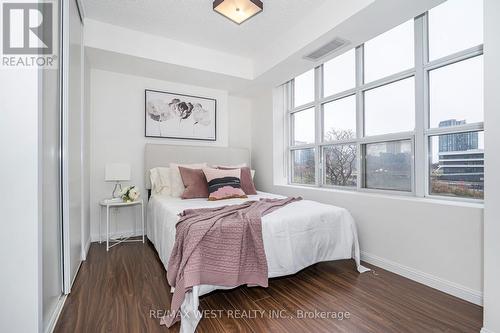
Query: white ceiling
[274, 50]
[195, 22]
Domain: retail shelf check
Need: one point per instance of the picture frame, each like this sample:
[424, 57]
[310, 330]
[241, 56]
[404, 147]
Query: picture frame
[171, 115]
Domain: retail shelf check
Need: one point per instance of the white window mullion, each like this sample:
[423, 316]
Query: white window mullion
[387, 137]
[455, 129]
[289, 131]
[360, 114]
[425, 163]
[421, 105]
[318, 92]
[286, 133]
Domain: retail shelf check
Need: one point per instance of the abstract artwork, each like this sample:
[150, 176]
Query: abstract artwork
[178, 116]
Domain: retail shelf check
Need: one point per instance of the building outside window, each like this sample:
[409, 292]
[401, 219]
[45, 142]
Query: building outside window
[460, 168]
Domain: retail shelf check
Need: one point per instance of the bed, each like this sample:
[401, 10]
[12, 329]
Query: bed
[295, 236]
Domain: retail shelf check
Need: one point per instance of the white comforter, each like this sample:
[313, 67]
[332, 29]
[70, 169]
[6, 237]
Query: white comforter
[295, 236]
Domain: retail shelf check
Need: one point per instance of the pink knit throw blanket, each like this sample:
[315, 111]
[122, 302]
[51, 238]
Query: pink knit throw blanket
[219, 246]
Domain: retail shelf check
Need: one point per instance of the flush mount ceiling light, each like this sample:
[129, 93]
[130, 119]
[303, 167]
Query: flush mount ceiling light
[238, 11]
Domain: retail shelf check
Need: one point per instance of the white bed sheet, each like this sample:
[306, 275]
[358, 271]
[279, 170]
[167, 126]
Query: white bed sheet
[295, 236]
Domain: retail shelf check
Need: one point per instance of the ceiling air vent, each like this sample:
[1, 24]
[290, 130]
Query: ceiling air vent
[326, 49]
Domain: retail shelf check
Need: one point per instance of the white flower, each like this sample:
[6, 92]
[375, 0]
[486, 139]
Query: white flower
[159, 110]
[124, 190]
[133, 194]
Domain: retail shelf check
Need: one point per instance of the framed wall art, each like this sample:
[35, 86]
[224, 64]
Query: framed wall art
[180, 116]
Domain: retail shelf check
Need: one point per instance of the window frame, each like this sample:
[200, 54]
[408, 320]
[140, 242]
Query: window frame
[290, 165]
[323, 175]
[420, 136]
[412, 168]
[429, 162]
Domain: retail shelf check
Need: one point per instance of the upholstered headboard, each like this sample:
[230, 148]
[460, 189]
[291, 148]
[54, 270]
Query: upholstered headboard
[156, 155]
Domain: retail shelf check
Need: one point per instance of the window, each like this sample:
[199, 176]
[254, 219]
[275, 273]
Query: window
[360, 120]
[303, 91]
[456, 93]
[303, 127]
[303, 166]
[454, 26]
[390, 53]
[339, 119]
[340, 165]
[390, 108]
[455, 137]
[339, 74]
[457, 165]
[388, 165]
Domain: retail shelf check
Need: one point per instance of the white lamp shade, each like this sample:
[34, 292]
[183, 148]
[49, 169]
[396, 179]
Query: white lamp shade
[117, 172]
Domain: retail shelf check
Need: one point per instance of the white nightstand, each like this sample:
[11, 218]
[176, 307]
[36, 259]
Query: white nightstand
[107, 203]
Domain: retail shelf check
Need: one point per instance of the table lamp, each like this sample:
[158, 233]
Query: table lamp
[117, 172]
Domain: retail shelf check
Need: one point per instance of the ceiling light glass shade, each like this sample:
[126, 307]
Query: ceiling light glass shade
[238, 11]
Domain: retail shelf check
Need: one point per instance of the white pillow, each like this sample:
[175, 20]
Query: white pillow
[176, 184]
[160, 180]
[234, 166]
[237, 166]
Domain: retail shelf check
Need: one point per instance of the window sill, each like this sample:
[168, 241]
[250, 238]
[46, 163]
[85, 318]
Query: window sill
[431, 200]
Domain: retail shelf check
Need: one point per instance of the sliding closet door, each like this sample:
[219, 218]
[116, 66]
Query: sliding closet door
[72, 143]
[51, 195]
[51, 203]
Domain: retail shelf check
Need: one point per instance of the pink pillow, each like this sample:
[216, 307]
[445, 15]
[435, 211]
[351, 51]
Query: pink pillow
[195, 183]
[247, 184]
[223, 184]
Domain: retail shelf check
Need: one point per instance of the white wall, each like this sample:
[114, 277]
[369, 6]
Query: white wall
[117, 132]
[20, 248]
[240, 120]
[437, 242]
[492, 164]
[117, 39]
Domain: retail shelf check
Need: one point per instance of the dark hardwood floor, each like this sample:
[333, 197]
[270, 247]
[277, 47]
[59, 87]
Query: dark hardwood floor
[125, 289]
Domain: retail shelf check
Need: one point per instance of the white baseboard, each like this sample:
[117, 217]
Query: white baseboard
[485, 330]
[56, 314]
[432, 281]
[76, 275]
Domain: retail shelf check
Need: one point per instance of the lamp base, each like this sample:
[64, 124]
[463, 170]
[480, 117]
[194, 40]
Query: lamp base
[118, 187]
